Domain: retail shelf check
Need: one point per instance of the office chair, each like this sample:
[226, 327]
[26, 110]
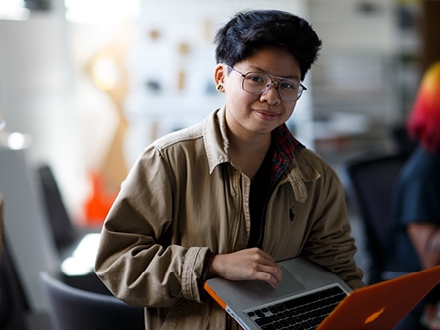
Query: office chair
[371, 182]
[64, 233]
[66, 236]
[13, 303]
[72, 309]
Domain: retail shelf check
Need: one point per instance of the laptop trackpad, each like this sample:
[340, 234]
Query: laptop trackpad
[288, 285]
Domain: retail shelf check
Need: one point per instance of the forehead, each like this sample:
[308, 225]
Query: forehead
[272, 60]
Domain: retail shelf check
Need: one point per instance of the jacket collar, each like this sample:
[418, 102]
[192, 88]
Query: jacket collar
[217, 149]
[216, 140]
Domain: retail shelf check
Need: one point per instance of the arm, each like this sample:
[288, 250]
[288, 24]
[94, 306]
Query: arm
[425, 238]
[330, 243]
[137, 258]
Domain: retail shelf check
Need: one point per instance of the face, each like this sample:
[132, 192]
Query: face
[251, 114]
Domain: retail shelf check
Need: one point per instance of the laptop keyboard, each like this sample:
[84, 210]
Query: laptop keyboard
[305, 312]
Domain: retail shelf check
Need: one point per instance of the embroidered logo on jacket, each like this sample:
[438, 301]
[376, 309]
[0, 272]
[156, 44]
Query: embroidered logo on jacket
[291, 214]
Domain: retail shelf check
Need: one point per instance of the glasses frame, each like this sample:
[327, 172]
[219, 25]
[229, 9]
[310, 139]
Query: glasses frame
[275, 83]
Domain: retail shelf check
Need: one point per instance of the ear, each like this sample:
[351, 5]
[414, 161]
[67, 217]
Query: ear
[220, 74]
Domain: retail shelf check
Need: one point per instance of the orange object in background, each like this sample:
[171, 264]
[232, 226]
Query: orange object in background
[99, 202]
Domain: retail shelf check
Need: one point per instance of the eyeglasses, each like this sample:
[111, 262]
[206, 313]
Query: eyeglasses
[259, 83]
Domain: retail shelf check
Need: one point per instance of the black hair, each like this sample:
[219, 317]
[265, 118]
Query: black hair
[250, 31]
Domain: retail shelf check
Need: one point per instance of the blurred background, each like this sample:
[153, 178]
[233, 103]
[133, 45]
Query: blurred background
[85, 85]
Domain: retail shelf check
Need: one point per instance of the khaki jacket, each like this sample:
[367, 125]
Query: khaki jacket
[184, 197]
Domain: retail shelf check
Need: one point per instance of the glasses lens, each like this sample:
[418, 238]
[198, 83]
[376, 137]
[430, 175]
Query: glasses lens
[257, 83]
[290, 90]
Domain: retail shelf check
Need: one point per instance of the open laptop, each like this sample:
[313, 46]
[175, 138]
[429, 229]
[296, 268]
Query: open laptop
[255, 305]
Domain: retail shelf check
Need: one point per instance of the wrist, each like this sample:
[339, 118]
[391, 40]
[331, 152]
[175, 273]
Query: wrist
[212, 270]
[208, 269]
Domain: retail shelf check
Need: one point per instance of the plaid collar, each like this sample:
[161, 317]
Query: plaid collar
[284, 144]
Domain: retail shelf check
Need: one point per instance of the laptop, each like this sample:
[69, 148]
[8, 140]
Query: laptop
[311, 297]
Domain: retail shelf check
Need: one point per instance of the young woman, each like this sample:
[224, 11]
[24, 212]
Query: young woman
[416, 207]
[232, 195]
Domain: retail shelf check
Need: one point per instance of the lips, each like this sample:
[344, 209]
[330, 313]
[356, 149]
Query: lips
[266, 114]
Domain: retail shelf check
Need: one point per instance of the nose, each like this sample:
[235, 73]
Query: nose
[271, 94]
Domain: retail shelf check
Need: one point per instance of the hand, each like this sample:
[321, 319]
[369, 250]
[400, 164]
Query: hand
[425, 238]
[248, 264]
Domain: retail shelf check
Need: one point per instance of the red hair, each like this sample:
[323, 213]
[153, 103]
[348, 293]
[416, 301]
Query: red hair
[424, 121]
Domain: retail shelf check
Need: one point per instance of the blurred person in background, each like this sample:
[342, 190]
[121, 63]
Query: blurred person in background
[416, 205]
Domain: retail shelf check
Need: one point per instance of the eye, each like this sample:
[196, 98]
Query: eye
[255, 78]
[286, 84]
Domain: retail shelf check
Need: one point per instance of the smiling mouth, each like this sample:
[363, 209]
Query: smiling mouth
[266, 115]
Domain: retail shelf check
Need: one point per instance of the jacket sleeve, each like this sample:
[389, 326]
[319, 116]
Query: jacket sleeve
[330, 244]
[138, 258]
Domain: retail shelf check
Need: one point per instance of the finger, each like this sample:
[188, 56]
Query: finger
[270, 269]
[271, 274]
[267, 277]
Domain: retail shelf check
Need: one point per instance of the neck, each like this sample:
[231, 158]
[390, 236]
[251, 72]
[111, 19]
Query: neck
[249, 152]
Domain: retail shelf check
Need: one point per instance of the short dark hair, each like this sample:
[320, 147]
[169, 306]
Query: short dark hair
[250, 31]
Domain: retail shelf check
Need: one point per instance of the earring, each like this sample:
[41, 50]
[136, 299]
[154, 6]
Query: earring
[219, 87]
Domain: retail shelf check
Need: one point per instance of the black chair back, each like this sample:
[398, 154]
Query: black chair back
[371, 189]
[62, 229]
[72, 309]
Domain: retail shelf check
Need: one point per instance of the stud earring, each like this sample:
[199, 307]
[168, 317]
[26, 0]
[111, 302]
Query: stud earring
[219, 87]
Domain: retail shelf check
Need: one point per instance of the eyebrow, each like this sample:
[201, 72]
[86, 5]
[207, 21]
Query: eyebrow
[253, 67]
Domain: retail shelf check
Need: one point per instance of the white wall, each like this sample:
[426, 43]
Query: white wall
[358, 69]
[37, 92]
[36, 98]
[344, 26]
